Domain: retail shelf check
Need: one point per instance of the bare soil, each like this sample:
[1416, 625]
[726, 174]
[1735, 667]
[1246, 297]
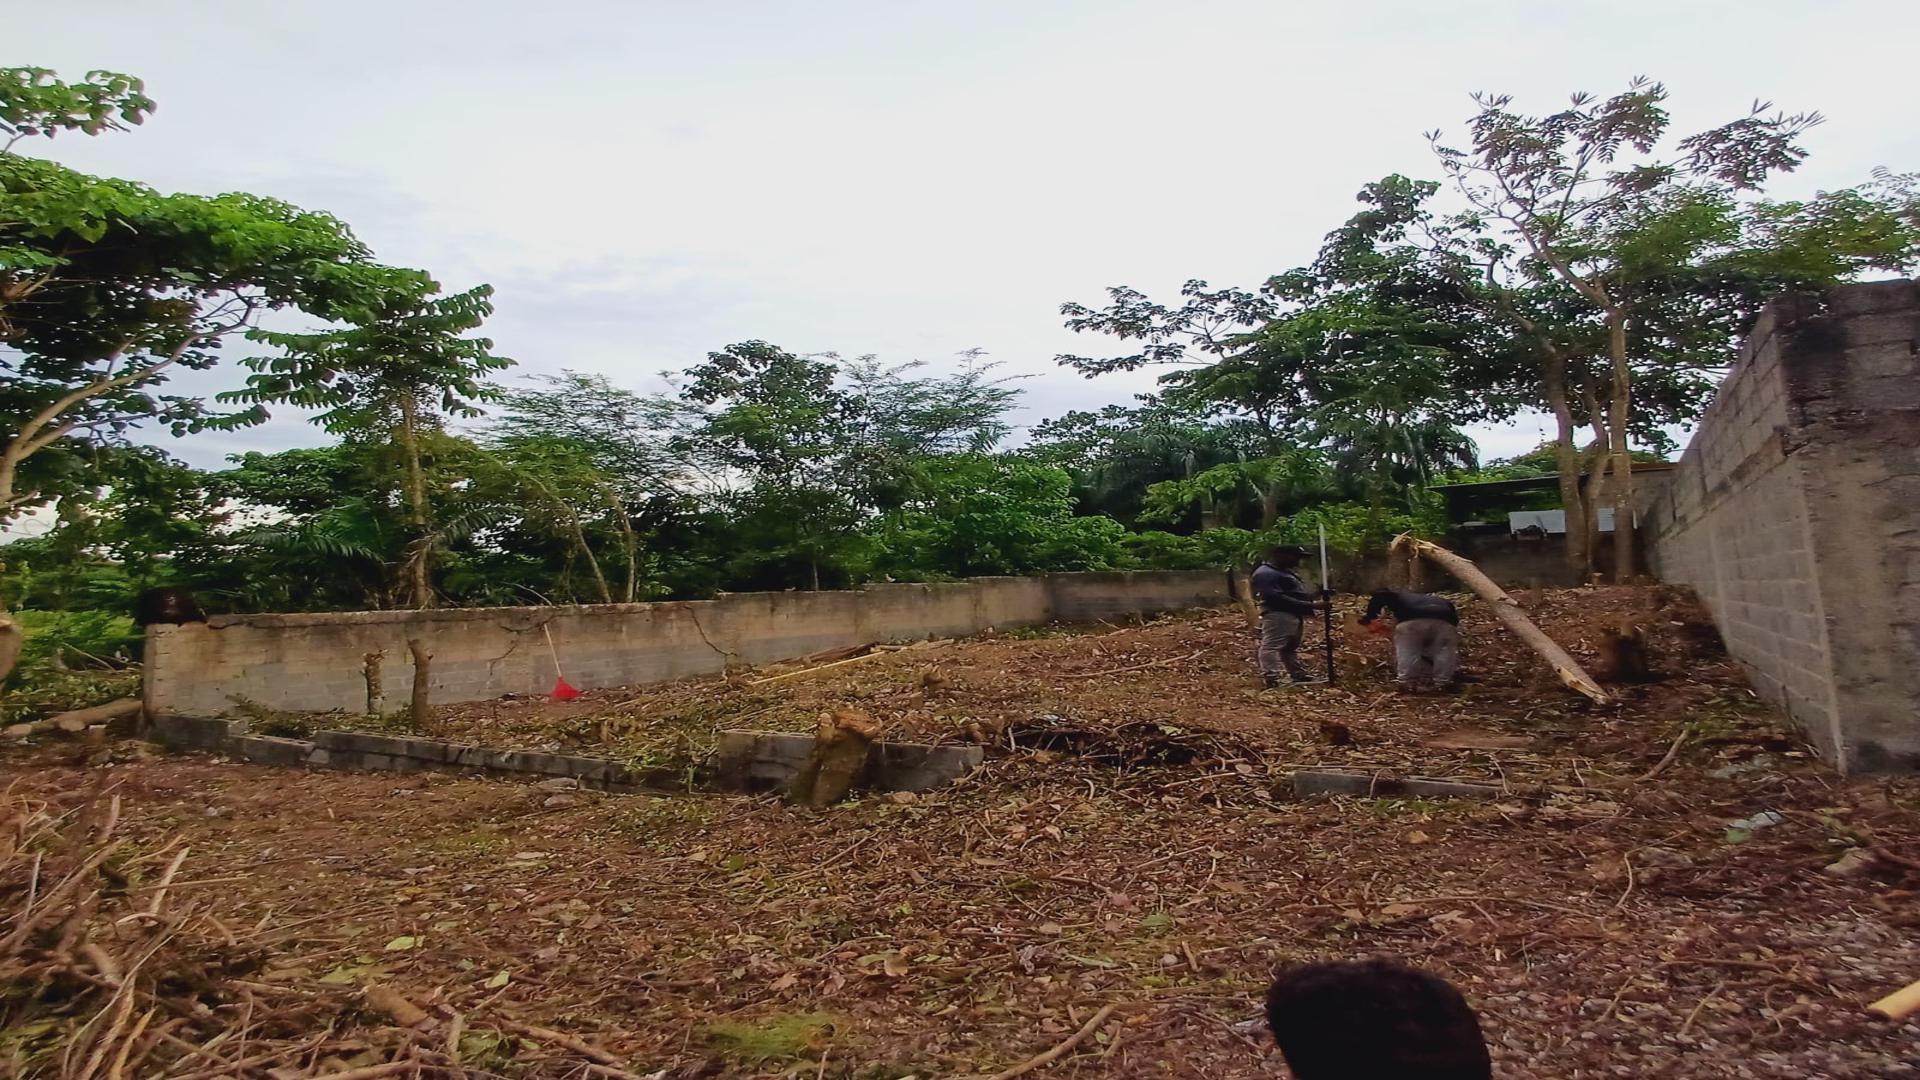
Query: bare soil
[1132, 841]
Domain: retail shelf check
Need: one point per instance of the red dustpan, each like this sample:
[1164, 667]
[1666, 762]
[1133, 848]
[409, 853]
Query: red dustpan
[562, 689]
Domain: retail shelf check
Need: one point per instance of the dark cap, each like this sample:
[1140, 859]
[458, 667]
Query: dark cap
[1294, 550]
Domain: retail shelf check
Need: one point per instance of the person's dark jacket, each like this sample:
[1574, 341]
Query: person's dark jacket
[1412, 605]
[1281, 590]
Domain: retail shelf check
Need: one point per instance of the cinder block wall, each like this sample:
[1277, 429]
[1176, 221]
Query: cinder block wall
[316, 662]
[1796, 515]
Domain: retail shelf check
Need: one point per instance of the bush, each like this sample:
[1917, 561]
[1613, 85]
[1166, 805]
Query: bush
[96, 644]
[103, 636]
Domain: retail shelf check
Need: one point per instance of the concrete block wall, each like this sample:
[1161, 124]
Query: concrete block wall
[1795, 513]
[317, 662]
[753, 761]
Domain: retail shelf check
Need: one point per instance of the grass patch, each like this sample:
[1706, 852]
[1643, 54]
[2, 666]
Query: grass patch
[474, 842]
[779, 1039]
[1421, 807]
[644, 818]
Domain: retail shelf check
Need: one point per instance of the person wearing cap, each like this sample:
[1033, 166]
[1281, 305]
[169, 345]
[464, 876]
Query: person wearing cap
[1285, 605]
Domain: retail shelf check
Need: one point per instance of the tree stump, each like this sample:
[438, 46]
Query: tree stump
[1624, 647]
[376, 686]
[422, 705]
[840, 746]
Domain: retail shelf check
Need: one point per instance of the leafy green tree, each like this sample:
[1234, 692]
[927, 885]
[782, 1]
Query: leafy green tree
[1595, 199]
[1118, 454]
[34, 102]
[107, 285]
[780, 423]
[398, 375]
[979, 514]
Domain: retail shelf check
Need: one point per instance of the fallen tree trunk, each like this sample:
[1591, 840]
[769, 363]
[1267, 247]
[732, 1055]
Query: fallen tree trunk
[1507, 610]
[79, 720]
[839, 756]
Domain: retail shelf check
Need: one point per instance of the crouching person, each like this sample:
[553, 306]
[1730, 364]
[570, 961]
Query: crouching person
[1426, 636]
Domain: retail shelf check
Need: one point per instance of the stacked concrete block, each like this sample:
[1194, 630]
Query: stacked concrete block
[1796, 515]
[759, 761]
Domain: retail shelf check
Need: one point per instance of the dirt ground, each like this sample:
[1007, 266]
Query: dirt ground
[1131, 841]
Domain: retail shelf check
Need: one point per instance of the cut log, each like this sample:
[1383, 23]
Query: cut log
[77, 721]
[1507, 610]
[839, 756]
[845, 652]
[1898, 1005]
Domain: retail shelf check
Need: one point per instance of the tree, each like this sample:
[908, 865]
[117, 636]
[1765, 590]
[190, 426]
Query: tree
[1577, 186]
[780, 422]
[1200, 331]
[397, 375]
[603, 449]
[974, 514]
[107, 285]
[1118, 454]
[33, 101]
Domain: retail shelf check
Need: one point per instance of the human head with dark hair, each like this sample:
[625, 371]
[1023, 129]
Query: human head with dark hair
[1374, 1020]
[1285, 556]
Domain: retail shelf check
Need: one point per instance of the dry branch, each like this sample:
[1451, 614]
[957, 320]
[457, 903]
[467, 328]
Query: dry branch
[811, 670]
[1062, 1048]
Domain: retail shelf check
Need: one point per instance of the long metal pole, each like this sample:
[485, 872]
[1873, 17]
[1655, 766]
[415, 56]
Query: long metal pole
[1326, 597]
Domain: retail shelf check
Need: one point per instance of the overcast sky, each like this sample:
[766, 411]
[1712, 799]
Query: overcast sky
[644, 181]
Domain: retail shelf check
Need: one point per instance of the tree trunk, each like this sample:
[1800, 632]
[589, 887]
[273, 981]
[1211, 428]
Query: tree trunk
[1623, 539]
[376, 685]
[1593, 466]
[12, 637]
[420, 571]
[1598, 463]
[630, 543]
[1269, 506]
[422, 704]
[1567, 459]
[1507, 610]
[579, 538]
[840, 746]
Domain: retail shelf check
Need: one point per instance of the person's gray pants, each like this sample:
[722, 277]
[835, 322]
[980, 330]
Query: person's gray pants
[1426, 648]
[1280, 645]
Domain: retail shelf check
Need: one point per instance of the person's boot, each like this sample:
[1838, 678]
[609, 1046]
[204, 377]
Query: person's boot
[1272, 681]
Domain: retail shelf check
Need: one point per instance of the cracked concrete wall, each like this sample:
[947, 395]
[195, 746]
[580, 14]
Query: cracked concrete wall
[316, 662]
[1796, 514]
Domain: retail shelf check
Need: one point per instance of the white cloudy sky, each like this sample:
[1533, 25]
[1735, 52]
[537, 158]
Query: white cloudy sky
[645, 181]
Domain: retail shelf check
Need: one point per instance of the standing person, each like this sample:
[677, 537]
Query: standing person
[1285, 604]
[1426, 635]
